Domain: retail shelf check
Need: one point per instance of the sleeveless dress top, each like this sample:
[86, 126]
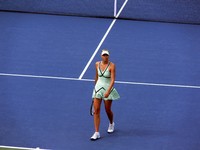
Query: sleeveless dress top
[103, 83]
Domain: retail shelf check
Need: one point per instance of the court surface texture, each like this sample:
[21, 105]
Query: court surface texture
[45, 100]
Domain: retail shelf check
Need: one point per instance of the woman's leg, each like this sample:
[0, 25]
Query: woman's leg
[97, 107]
[108, 105]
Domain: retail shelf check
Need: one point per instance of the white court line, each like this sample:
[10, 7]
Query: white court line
[25, 148]
[92, 80]
[159, 84]
[102, 40]
[35, 76]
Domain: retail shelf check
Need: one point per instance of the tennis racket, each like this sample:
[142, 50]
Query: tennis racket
[92, 108]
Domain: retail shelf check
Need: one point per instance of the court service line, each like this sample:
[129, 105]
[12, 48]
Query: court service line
[92, 80]
[159, 84]
[102, 40]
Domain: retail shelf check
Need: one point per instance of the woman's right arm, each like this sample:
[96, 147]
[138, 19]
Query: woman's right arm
[96, 74]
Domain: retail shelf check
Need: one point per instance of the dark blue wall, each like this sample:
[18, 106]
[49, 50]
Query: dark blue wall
[182, 11]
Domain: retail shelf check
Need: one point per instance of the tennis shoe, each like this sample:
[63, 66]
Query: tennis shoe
[95, 136]
[111, 127]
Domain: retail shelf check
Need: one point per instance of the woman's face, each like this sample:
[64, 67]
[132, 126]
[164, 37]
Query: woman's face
[105, 57]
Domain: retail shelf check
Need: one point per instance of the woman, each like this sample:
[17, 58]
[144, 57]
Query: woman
[104, 90]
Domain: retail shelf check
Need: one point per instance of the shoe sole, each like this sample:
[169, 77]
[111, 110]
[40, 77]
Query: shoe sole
[110, 132]
[95, 139]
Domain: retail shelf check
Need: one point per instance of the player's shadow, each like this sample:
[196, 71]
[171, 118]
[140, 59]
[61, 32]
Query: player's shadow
[144, 132]
[141, 133]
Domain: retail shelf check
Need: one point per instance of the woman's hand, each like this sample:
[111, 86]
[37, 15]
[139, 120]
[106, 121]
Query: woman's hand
[106, 94]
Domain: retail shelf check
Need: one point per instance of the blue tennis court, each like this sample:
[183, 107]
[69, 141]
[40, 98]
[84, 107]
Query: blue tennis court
[45, 94]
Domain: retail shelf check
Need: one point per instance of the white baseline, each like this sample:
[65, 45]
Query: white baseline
[24, 148]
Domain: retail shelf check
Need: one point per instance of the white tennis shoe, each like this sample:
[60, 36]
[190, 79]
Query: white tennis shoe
[95, 136]
[111, 128]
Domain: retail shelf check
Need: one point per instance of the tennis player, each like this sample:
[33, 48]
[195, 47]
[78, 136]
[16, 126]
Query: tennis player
[104, 90]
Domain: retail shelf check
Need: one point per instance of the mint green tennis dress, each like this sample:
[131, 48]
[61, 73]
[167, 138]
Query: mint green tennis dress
[103, 83]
